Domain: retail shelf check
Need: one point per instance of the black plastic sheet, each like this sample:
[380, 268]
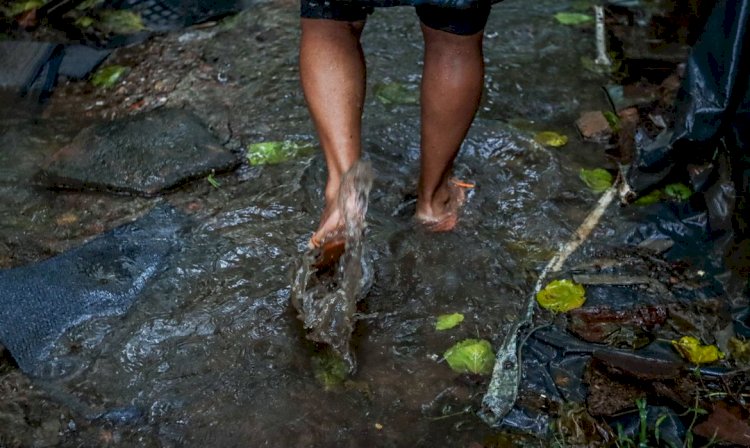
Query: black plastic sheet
[709, 142]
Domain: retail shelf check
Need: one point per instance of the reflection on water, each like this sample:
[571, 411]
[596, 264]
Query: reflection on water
[212, 354]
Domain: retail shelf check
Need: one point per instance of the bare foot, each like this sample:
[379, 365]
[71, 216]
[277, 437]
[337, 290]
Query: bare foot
[343, 219]
[442, 214]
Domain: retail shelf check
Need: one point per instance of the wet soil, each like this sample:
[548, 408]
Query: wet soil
[212, 354]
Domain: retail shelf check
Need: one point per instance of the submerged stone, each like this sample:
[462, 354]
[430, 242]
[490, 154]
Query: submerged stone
[142, 155]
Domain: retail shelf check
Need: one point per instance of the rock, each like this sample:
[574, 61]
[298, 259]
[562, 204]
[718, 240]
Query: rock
[593, 125]
[143, 155]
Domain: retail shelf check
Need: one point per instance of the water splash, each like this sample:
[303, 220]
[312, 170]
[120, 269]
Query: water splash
[326, 296]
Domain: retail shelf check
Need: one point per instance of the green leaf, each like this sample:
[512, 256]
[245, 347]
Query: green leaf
[212, 180]
[598, 179]
[448, 321]
[108, 76]
[612, 119]
[691, 349]
[121, 22]
[573, 18]
[329, 369]
[561, 296]
[651, 198]
[396, 93]
[549, 138]
[678, 191]
[22, 7]
[269, 153]
[84, 22]
[471, 356]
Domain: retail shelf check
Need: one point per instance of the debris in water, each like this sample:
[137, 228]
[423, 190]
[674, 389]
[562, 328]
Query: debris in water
[678, 191]
[396, 93]
[573, 18]
[448, 321]
[471, 356]
[330, 370]
[549, 138]
[108, 76]
[561, 296]
[598, 179]
[212, 180]
[269, 153]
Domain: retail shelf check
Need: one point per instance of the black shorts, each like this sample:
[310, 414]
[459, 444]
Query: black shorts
[463, 22]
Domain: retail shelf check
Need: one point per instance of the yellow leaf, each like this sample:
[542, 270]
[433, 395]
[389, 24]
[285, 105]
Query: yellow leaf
[561, 296]
[691, 349]
[549, 138]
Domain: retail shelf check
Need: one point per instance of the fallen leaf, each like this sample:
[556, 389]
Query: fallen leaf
[396, 93]
[573, 18]
[691, 349]
[651, 198]
[678, 191]
[108, 76]
[448, 321]
[561, 296]
[598, 179]
[471, 356]
[549, 138]
[269, 153]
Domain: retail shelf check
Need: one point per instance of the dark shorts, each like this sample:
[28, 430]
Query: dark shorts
[463, 22]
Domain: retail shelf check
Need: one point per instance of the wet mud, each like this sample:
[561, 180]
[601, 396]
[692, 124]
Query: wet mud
[212, 353]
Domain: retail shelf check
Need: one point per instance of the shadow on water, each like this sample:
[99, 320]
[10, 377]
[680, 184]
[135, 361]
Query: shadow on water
[212, 353]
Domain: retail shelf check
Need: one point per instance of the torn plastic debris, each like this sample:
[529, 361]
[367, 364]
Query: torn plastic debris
[710, 140]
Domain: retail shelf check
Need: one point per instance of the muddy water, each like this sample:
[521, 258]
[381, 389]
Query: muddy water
[212, 353]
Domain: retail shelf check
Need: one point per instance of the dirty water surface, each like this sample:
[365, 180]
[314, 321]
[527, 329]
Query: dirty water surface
[212, 352]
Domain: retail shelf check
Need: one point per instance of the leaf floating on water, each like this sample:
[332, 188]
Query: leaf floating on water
[269, 153]
[651, 198]
[561, 296]
[471, 356]
[329, 369]
[678, 191]
[573, 18]
[691, 349]
[598, 179]
[549, 138]
[396, 93]
[108, 76]
[448, 321]
[121, 22]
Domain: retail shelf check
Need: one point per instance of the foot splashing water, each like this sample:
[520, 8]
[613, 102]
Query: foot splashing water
[326, 289]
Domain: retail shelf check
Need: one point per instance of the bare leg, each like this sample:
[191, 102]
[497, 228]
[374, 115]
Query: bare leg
[452, 83]
[332, 70]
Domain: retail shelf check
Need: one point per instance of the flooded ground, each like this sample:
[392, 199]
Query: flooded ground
[212, 353]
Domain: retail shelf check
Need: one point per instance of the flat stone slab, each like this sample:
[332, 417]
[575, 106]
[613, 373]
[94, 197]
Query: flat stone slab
[143, 155]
